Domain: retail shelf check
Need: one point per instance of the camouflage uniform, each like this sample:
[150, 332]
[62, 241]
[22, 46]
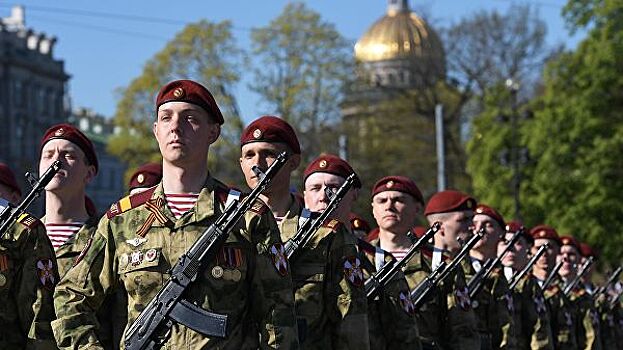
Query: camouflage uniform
[331, 305]
[446, 320]
[28, 273]
[491, 308]
[562, 317]
[137, 243]
[608, 322]
[392, 315]
[531, 321]
[588, 327]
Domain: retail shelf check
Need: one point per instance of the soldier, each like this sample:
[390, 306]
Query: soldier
[320, 287]
[146, 176]
[563, 323]
[489, 304]
[446, 320]
[530, 328]
[143, 235]
[588, 326]
[28, 273]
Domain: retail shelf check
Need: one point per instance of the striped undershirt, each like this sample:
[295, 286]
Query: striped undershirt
[399, 254]
[180, 203]
[60, 233]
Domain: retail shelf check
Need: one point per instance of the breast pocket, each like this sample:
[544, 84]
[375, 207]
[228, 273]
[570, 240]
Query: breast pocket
[309, 290]
[227, 273]
[141, 272]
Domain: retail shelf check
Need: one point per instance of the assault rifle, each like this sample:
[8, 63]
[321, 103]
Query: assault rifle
[611, 280]
[385, 274]
[420, 293]
[475, 284]
[310, 225]
[153, 325]
[11, 213]
[552, 276]
[583, 270]
[519, 275]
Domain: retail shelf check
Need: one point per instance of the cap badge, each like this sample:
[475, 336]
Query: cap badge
[257, 133]
[179, 92]
[322, 164]
[389, 184]
[140, 178]
[479, 210]
[356, 223]
[59, 132]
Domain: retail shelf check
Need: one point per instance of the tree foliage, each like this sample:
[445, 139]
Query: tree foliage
[202, 51]
[303, 63]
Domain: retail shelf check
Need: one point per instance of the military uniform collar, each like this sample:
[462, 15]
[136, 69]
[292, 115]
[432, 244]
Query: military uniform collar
[290, 222]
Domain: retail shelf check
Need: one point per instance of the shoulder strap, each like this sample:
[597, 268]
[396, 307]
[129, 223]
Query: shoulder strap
[129, 202]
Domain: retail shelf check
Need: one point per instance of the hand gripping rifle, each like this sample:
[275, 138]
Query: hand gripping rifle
[307, 229]
[552, 276]
[10, 214]
[150, 329]
[475, 284]
[420, 293]
[611, 280]
[519, 275]
[385, 274]
[583, 270]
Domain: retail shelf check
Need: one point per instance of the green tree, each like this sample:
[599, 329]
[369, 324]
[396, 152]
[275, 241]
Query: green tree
[202, 51]
[577, 133]
[303, 63]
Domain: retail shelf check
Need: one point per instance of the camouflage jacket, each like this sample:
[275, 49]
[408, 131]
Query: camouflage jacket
[139, 241]
[391, 316]
[490, 307]
[588, 327]
[446, 320]
[28, 273]
[563, 319]
[331, 305]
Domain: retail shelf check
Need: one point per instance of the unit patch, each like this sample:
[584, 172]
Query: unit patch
[407, 303]
[510, 306]
[539, 303]
[462, 298]
[278, 254]
[45, 271]
[353, 272]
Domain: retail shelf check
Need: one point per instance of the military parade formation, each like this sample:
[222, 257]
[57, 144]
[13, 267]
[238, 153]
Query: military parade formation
[185, 261]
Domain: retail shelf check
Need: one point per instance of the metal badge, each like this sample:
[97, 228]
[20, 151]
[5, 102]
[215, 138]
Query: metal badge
[227, 275]
[217, 272]
[136, 257]
[151, 255]
[135, 242]
[2, 280]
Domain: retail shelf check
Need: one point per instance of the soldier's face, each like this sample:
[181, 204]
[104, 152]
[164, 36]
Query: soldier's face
[263, 154]
[395, 211]
[547, 261]
[456, 226]
[184, 132]
[493, 233]
[74, 174]
[570, 258]
[316, 200]
[517, 256]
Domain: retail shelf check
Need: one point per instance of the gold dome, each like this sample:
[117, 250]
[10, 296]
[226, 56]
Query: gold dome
[400, 34]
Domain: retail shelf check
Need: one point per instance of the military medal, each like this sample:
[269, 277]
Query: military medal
[217, 272]
[227, 275]
[2, 280]
[136, 257]
[236, 275]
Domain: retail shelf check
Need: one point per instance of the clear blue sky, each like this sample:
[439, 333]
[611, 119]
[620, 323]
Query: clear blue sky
[105, 52]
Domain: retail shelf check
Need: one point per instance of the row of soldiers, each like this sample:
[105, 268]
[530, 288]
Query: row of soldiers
[75, 280]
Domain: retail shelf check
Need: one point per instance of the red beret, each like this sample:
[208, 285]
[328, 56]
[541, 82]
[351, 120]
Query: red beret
[490, 212]
[328, 163]
[372, 235]
[449, 201]
[400, 184]
[545, 232]
[269, 128]
[147, 175]
[191, 92]
[72, 134]
[568, 240]
[419, 231]
[7, 178]
[515, 226]
[587, 251]
[358, 223]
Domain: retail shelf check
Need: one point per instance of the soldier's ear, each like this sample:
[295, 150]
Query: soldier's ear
[294, 161]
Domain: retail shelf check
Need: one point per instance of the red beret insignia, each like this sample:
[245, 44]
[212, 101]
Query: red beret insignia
[140, 178]
[389, 184]
[257, 133]
[178, 93]
[322, 164]
[59, 132]
[400, 184]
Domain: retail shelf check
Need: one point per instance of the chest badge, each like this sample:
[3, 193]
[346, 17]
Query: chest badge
[135, 242]
[45, 270]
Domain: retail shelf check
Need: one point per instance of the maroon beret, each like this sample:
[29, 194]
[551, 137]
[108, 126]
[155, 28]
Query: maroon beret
[7, 178]
[587, 251]
[490, 212]
[191, 92]
[358, 223]
[568, 240]
[419, 231]
[449, 201]
[72, 134]
[545, 232]
[372, 235]
[147, 175]
[514, 226]
[331, 164]
[269, 128]
[400, 184]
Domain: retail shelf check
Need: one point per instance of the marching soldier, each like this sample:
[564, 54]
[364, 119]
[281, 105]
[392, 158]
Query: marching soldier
[563, 322]
[146, 176]
[489, 304]
[142, 236]
[530, 327]
[28, 273]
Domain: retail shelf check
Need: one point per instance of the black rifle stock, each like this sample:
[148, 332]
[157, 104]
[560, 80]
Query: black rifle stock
[552, 275]
[310, 226]
[419, 295]
[475, 284]
[385, 274]
[518, 275]
[583, 270]
[10, 214]
[153, 324]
